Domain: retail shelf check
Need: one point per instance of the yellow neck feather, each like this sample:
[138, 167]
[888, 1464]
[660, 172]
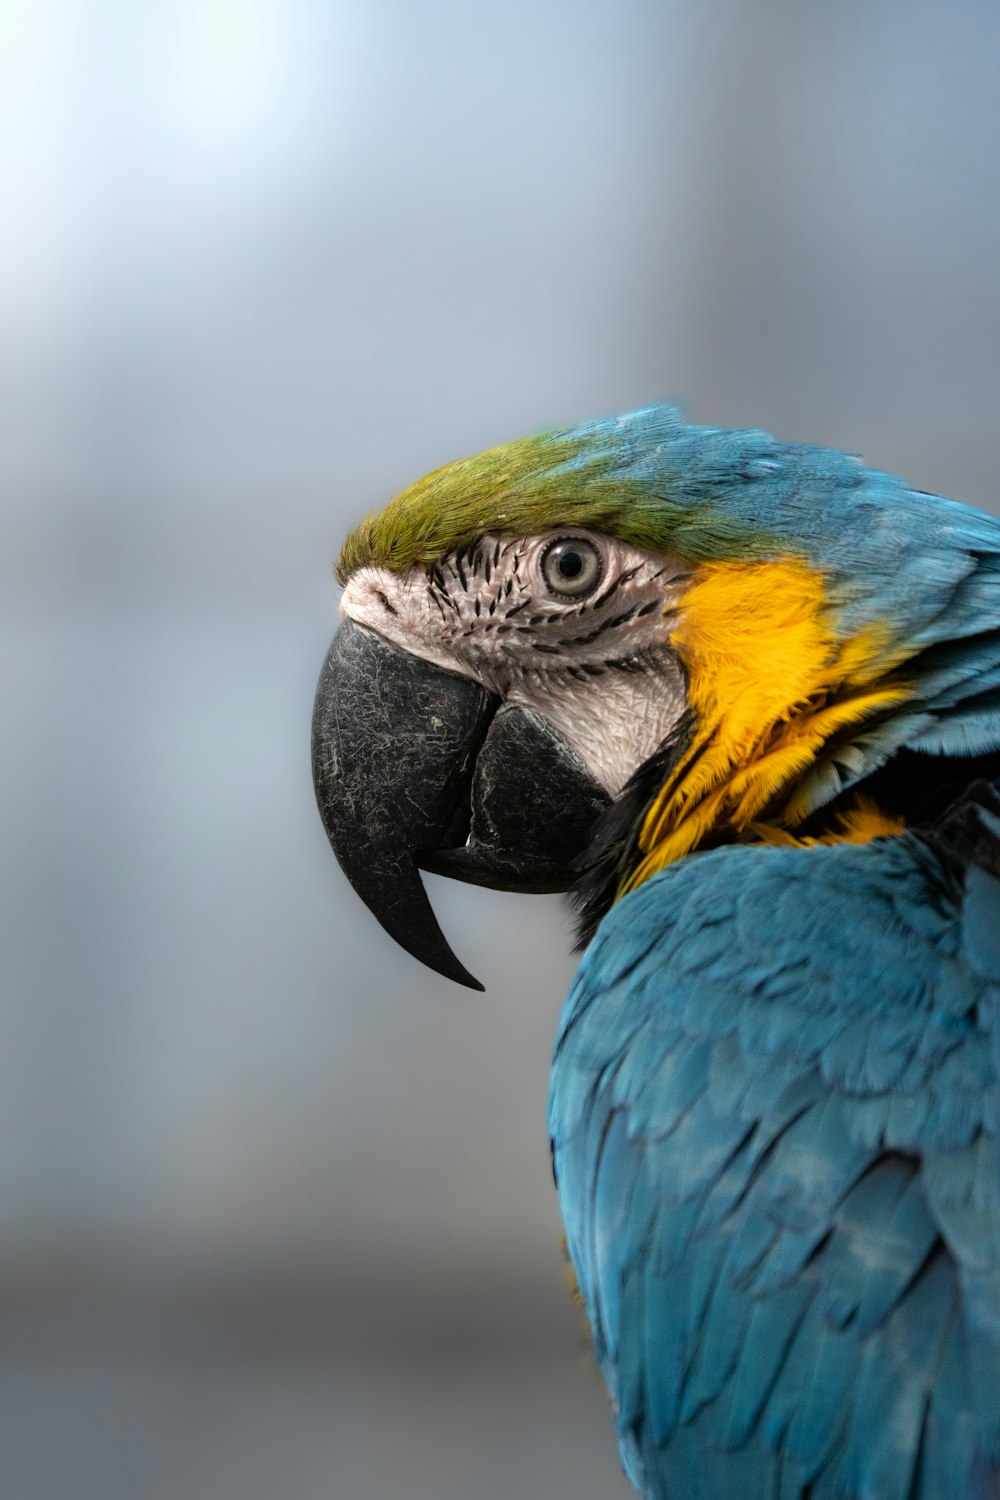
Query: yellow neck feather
[770, 685]
[857, 825]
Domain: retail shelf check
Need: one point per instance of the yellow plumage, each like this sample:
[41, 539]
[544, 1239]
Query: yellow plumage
[772, 685]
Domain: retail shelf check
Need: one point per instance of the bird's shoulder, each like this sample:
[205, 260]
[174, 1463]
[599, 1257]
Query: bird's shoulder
[774, 1111]
[871, 963]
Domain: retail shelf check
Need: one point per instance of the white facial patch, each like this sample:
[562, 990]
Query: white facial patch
[574, 625]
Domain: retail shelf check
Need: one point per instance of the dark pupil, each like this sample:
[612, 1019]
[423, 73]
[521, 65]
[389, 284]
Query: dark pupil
[570, 564]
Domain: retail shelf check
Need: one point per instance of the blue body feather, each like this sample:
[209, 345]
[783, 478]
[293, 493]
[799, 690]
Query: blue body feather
[784, 1207]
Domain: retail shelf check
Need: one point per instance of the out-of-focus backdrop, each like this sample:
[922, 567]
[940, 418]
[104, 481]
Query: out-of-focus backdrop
[275, 1209]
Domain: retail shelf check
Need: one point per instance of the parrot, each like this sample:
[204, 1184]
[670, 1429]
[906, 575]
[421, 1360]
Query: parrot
[741, 698]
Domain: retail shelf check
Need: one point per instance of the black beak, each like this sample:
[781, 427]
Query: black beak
[418, 767]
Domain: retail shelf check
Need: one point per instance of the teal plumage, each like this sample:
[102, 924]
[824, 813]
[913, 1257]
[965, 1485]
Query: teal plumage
[774, 1112]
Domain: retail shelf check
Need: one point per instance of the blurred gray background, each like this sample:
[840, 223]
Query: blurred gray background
[275, 1208]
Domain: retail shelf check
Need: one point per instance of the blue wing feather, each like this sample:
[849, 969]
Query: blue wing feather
[774, 1111]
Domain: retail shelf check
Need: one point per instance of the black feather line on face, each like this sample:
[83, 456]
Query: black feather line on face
[433, 596]
[611, 624]
[625, 576]
[613, 841]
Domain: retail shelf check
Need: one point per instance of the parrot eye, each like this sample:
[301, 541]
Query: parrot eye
[572, 566]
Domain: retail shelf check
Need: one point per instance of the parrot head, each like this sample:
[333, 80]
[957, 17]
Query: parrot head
[579, 657]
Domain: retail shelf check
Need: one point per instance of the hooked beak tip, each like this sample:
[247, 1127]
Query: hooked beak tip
[394, 741]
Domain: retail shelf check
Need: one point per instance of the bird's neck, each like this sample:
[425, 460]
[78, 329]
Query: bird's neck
[775, 698]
